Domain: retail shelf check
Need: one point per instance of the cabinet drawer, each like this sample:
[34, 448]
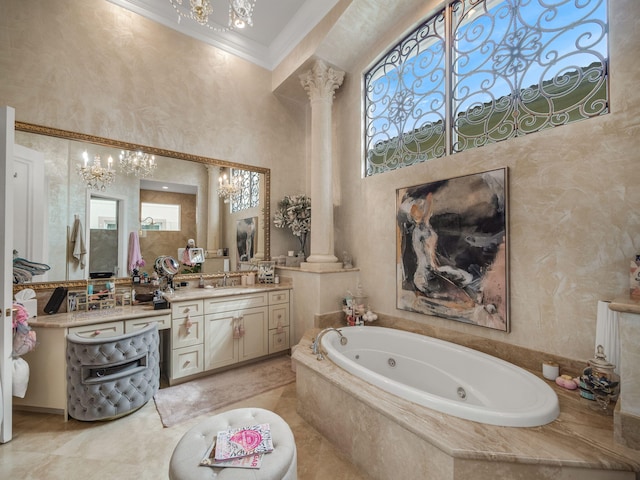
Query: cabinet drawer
[132, 325]
[281, 296]
[182, 309]
[107, 329]
[278, 315]
[234, 302]
[278, 341]
[183, 335]
[187, 361]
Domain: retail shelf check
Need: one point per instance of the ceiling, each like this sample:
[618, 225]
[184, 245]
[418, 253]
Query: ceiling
[278, 26]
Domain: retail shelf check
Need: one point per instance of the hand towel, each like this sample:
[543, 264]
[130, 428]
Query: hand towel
[77, 239]
[135, 257]
[607, 333]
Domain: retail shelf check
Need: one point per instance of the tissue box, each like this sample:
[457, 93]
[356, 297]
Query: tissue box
[293, 262]
[31, 306]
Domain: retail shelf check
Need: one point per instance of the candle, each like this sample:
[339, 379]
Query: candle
[550, 370]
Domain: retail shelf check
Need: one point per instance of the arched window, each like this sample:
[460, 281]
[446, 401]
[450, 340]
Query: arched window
[483, 71]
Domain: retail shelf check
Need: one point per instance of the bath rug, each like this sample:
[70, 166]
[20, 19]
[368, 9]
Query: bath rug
[207, 394]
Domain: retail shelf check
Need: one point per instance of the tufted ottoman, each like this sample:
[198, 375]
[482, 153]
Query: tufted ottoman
[281, 464]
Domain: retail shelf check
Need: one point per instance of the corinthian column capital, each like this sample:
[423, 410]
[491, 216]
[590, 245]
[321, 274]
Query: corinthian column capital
[321, 81]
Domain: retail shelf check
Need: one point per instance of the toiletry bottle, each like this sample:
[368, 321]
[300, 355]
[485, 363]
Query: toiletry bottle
[201, 282]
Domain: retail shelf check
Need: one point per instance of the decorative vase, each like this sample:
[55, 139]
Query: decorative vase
[302, 238]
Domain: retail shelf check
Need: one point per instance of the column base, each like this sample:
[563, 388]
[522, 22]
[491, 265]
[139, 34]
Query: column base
[321, 258]
[321, 267]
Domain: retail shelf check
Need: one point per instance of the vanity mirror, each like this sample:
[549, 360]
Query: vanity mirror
[186, 180]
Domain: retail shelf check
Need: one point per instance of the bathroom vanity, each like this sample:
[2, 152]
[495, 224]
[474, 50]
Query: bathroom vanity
[204, 330]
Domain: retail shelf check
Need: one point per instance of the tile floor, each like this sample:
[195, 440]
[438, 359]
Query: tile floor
[138, 447]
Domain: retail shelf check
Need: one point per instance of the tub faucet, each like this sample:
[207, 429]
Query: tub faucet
[316, 347]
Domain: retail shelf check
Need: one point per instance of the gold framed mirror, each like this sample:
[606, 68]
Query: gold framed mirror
[212, 222]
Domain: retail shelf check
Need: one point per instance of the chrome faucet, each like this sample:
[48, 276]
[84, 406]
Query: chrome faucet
[225, 277]
[316, 347]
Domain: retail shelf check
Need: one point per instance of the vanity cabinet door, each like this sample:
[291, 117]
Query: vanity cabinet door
[186, 361]
[102, 330]
[280, 296]
[278, 340]
[279, 316]
[134, 324]
[234, 303]
[255, 340]
[188, 308]
[186, 332]
[220, 348]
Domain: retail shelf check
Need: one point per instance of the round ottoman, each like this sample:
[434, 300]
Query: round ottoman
[280, 464]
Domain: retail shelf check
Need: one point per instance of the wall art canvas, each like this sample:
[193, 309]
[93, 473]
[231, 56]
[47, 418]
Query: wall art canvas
[452, 255]
[246, 232]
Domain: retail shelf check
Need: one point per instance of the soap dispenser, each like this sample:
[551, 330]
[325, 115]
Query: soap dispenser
[201, 282]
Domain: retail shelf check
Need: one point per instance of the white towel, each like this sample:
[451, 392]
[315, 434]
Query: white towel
[607, 333]
[77, 239]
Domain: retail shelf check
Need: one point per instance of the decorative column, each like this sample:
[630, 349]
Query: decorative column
[321, 82]
[213, 208]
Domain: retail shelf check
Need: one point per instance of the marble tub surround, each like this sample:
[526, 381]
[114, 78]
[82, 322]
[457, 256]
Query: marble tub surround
[404, 440]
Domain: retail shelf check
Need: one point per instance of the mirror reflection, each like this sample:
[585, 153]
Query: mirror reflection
[169, 200]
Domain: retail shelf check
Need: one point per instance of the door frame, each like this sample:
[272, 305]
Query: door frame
[7, 138]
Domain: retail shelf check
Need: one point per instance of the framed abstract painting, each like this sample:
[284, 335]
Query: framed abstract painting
[452, 249]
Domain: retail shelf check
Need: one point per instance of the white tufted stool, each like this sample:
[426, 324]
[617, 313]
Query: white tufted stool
[280, 464]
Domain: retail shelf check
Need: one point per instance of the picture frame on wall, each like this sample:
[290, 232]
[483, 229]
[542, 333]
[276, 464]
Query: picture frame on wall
[452, 249]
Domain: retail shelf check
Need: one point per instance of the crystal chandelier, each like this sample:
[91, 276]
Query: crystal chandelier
[227, 189]
[137, 163]
[95, 175]
[240, 13]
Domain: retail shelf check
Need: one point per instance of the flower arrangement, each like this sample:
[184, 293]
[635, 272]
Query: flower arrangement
[294, 212]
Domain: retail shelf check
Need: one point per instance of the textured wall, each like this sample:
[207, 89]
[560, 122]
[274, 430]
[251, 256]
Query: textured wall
[105, 71]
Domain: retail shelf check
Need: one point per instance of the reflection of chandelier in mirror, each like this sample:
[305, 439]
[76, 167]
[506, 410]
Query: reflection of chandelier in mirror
[240, 13]
[95, 175]
[137, 163]
[226, 189]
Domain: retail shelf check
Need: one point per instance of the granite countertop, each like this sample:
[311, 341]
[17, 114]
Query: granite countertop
[76, 319]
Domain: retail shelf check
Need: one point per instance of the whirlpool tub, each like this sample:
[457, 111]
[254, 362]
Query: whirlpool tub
[443, 376]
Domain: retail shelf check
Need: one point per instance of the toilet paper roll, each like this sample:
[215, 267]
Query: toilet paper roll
[550, 370]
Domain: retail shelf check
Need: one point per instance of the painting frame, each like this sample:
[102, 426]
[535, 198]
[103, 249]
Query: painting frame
[452, 249]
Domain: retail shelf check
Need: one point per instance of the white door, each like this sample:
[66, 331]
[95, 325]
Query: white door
[7, 125]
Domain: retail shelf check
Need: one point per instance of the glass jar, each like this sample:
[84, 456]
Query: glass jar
[599, 383]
